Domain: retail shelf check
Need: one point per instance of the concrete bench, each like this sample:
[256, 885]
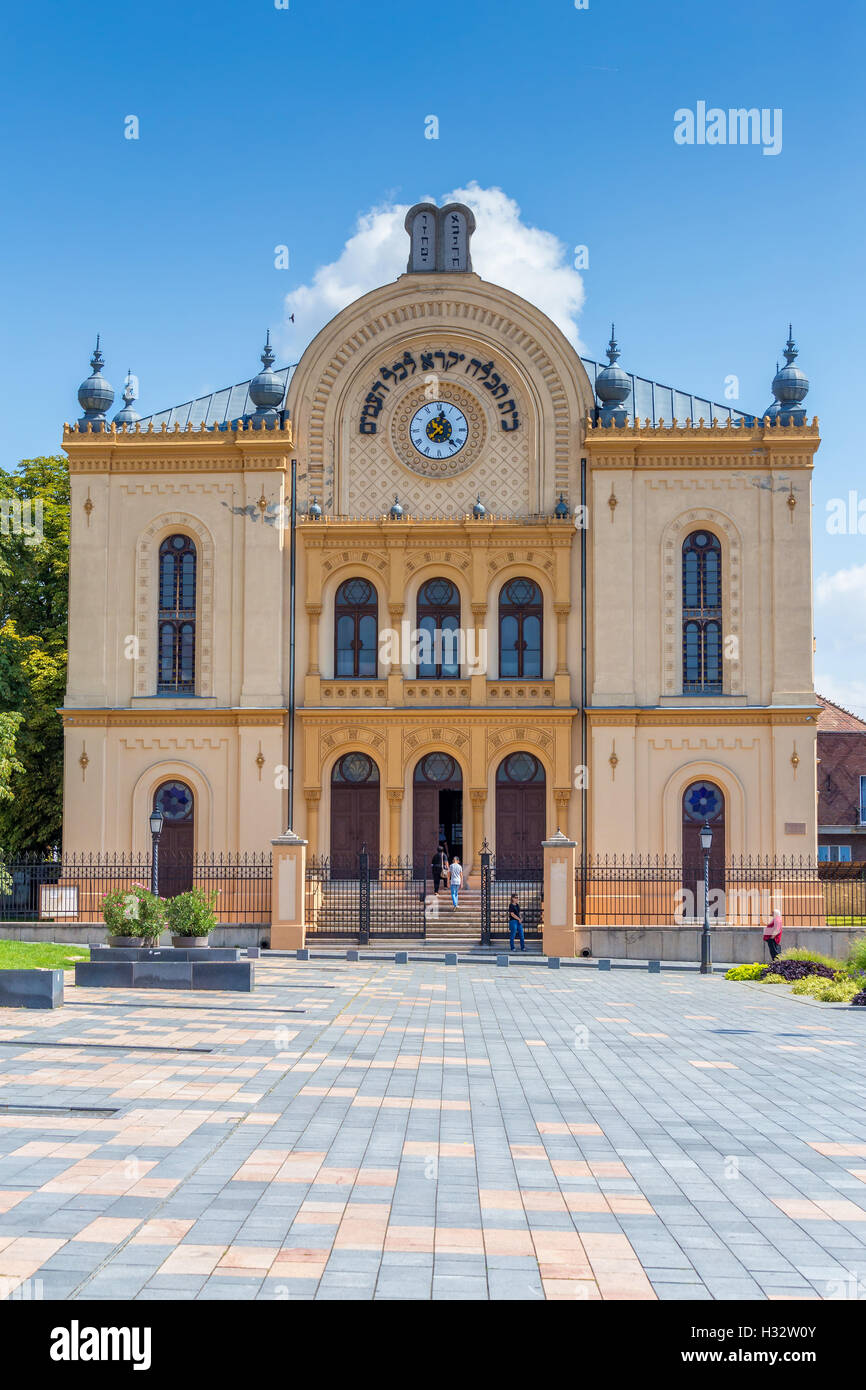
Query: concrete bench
[236, 975]
[31, 989]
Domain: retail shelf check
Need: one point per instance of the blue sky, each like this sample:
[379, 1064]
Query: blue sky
[262, 126]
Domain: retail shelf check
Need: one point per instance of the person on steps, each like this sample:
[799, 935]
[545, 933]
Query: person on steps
[455, 875]
[439, 867]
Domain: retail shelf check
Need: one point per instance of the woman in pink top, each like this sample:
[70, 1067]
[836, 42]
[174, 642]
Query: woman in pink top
[773, 934]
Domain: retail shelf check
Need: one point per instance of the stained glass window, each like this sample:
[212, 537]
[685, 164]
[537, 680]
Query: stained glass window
[702, 614]
[177, 616]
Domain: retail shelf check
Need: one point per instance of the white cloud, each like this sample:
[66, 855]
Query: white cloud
[840, 600]
[505, 250]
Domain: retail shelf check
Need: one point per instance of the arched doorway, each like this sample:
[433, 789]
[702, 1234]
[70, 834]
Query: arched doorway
[703, 802]
[177, 840]
[354, 813]
[437, 809]
[521, 817]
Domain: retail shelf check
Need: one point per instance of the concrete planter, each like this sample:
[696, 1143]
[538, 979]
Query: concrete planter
[191, 943]
[31, 989]
[124, 941]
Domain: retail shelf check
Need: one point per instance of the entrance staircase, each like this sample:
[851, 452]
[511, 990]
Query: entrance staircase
[454, 927]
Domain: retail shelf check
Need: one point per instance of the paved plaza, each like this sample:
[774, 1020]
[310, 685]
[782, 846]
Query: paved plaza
[367, 1130]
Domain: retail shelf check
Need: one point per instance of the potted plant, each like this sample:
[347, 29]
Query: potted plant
[134, 917]
[192, 918]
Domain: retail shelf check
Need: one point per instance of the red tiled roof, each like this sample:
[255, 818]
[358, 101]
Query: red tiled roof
[834, 719]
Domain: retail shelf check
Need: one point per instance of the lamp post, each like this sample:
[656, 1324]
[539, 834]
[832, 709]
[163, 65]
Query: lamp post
[706, 945]
[156, 819]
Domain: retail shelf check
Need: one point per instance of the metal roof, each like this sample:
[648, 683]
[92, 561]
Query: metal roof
[648, 399]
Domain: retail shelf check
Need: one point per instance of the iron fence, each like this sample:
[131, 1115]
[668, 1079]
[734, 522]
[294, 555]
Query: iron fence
[72, 888]
[510, 875]
[365, 897]
[647, 891]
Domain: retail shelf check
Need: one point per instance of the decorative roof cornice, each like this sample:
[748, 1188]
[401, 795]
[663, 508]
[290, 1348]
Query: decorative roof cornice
[171, 718]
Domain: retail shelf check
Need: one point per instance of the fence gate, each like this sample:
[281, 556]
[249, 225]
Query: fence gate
[365, 898]
[522, 876]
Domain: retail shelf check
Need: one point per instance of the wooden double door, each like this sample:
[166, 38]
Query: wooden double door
[177, 839]
[521, 813]
[703, 803]
[354, 814]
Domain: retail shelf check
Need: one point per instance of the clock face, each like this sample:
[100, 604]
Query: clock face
[438, 430]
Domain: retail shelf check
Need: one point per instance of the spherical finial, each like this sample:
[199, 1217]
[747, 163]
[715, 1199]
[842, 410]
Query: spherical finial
[479, 511]
[612, 387]
[126, 415]
[396, 513]
[790, 388]
[266, 389]
[315, 511]
[95, 395]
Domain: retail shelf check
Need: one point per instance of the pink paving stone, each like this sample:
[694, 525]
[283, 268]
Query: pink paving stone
[161, 1231]
[336, 1177]
[451, 1240]
[25, 1254]
[248, 1257]
[838, 1150]
[543, 1201]
[192, 1259]
[840, 1209]
[610, 1245]
[355, 1233]
[629, 1204]
[726, 1066]
[419, 1239]
[108, 1229]
[799, 1208]
[580, 1290]
[377, 1177]
[586, 1201]
[500, 1199]
[570, 1167]
[528, 1151]
[608, 1168]
[498, 1241]
[10, 1199]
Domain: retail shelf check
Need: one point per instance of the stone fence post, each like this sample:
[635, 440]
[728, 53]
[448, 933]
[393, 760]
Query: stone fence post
[288, 927]
[558, 930]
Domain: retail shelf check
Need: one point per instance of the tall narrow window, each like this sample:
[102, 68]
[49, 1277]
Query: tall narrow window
[520, 613]
[176, 619]
[702, 614]
[355, 629]
[439, 629]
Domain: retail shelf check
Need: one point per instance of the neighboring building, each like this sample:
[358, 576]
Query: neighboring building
[442, 426]
[841, 784]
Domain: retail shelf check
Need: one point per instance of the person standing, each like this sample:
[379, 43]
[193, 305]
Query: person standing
[439, 866]
[515, 924]
[455, 875]
[773, 934]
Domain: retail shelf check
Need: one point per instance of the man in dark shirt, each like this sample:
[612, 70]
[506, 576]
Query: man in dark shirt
[438, 867]
[515, 925]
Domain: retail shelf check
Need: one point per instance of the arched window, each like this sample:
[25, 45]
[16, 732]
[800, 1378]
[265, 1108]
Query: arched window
[520, 614]
[702, 614]
[439, 628]
[176, 618]
[355, 629]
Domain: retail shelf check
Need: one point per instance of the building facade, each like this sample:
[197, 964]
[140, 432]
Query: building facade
[841, 785]
[518, 608]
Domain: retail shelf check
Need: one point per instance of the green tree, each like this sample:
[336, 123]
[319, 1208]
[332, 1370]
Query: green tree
[34, 572]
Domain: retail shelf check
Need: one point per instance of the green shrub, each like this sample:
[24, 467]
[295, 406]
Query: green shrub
[774, 980]
[746, 972]
[805, 953]
[134, 912]
[838, 991]
[6, 883]
[857, 954]
[192, 913]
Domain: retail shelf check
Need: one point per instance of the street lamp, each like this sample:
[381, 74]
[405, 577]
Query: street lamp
[156, 820]
[706, 949]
